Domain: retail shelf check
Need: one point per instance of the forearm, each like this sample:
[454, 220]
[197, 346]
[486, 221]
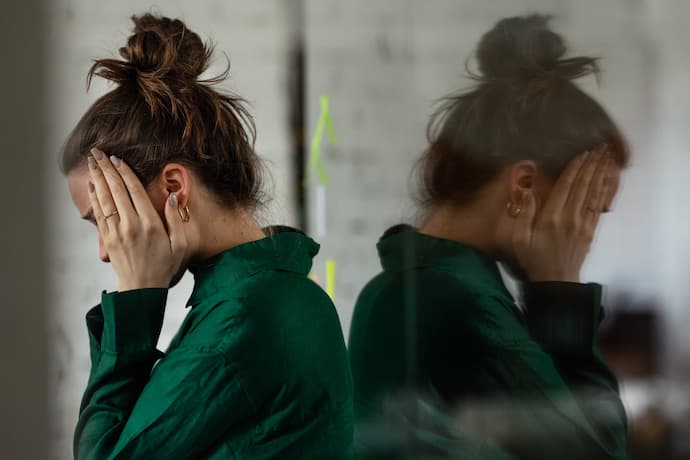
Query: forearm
[123, 334]
[564, 319]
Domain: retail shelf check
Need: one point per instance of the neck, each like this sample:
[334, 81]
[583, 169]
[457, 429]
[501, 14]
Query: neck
[220, 230]
[467, 225]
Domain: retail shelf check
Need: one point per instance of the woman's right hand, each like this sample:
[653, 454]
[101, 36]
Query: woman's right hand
[552, 245]
[145, 251]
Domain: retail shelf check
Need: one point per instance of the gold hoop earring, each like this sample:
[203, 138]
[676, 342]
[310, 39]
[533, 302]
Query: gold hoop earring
[184, 215]
[513, 210]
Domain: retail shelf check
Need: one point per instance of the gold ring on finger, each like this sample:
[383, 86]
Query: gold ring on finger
[114, 213]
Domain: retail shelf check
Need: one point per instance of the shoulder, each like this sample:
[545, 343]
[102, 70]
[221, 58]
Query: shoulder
[290, 334]
[276, 295]
[435, 300]
[268, 303]
[426, 288]
[442, 302]
[269, 294]
[283, 312]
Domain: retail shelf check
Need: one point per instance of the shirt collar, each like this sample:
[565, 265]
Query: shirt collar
[402, 247]
[288, 251]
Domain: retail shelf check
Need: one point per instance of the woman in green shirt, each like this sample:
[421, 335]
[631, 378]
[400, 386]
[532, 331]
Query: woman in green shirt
[444, 361]
[258, 369]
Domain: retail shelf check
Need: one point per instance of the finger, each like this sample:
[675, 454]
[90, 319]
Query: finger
[137, 193]
[612, 184]
[599, 199]
[524, 222]
[178, 242]
[596, 193]
[118, 190]
[99, 217]
[591, 219]
[559, 192]
[580, 188]
[101, 188]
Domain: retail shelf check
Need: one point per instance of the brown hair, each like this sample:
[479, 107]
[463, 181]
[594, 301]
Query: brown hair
[161, 112]
[524, 106]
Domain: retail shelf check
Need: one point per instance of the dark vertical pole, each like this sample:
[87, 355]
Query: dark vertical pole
[297, 109]
[24, 394]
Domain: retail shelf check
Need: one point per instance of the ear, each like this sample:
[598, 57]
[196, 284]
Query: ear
[522, 177]
[175, 178]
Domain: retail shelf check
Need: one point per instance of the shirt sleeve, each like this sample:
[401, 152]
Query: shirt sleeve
[131, 410]
[563, 318]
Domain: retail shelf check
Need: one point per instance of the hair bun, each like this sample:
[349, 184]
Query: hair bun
[162, 46]
[160, 50]
[524, 47]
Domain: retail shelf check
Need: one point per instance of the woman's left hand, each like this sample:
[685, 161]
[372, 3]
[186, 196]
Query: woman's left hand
[552, 245]
[143, 253]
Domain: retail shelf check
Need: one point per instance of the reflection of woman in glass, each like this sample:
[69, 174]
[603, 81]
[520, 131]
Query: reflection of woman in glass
[504, 179]
[259, 367]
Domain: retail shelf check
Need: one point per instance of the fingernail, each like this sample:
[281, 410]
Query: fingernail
[115, 161]
[97, 154]
[92, 162]
[525, 195]
[91, 187]
[173, 200]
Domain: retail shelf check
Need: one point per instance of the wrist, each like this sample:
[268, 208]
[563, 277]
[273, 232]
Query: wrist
[542, 277]
[555, 280]
[125, 286]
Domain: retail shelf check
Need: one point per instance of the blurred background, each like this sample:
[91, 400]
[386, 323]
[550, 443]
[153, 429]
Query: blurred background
[382, 66]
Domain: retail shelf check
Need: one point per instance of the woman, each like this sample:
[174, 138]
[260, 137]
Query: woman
[502, 180]
[259, 368]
